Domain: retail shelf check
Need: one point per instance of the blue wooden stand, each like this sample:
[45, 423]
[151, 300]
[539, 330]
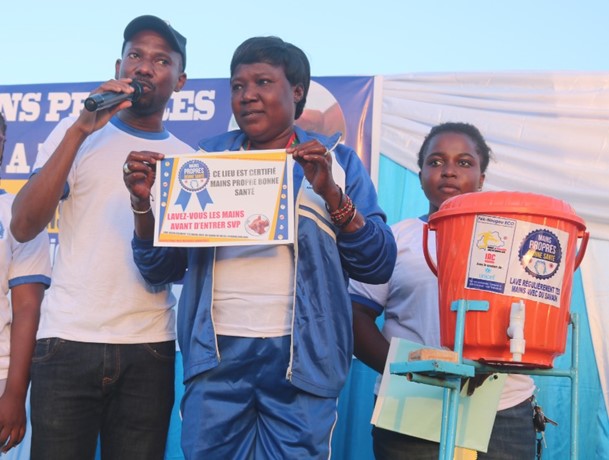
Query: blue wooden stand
[449, 375]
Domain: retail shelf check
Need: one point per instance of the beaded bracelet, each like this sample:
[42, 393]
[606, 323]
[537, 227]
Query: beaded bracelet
[345, 214]
[340, 203]
[349, 220]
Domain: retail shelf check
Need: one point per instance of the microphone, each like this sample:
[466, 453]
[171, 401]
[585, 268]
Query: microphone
[107, 99]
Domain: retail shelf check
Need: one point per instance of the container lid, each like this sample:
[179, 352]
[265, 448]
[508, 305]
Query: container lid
[503, 202]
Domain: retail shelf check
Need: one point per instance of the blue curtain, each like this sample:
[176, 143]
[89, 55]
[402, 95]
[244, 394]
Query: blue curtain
[554, 395]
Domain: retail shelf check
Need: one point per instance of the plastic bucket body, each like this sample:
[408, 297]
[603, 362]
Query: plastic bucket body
[509, 249]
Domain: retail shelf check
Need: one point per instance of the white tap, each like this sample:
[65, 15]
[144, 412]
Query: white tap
[516, 331]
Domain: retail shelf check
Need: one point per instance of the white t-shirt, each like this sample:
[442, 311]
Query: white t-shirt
[20, 263]
[410, 297]
[411, 302]
[254, 290]
[98, 294]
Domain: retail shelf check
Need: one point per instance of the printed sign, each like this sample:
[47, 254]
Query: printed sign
[517, 258]
[224, 199]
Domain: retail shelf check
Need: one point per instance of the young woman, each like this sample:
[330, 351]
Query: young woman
[452, 160]
[265, 331]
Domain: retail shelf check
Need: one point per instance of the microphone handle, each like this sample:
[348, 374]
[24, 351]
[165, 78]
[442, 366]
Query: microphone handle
[107, 99]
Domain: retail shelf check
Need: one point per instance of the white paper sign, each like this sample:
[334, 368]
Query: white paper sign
[224, 199]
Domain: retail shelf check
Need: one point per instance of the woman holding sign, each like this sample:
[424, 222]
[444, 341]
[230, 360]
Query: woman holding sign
[265, 330]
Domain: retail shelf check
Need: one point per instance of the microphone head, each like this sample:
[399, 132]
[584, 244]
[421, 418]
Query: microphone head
[92, 102]
[101, 101]
[137, 86]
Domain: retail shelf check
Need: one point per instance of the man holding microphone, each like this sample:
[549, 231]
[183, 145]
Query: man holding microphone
[104, 358]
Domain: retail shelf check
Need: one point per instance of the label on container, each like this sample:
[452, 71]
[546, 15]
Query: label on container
[517, 258]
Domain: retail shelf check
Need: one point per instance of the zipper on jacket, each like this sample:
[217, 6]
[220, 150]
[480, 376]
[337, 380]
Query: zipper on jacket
[288, 374]
[211, 306]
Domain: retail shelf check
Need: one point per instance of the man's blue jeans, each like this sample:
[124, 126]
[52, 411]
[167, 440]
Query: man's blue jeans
[122, 394]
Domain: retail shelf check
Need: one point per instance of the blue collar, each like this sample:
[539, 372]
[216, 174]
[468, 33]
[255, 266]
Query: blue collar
[119, 124]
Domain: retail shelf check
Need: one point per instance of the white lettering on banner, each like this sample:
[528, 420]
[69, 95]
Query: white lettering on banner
[20, 106]
[177, 111]
[204, 103]
[63, 104]
[186, 106]
[17, 163]
[191, 106]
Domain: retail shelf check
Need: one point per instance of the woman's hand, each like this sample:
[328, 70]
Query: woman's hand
[316, 162]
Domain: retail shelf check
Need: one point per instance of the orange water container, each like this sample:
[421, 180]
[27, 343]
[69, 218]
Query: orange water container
[518, 252]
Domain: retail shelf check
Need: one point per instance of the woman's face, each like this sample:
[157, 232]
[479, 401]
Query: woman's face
[264, 104]
[451, 166]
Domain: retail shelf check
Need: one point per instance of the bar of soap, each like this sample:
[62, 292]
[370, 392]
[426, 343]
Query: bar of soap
[426, 354]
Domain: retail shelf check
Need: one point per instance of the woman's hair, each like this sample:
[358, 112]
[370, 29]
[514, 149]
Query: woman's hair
[276, 52]
[483, 150]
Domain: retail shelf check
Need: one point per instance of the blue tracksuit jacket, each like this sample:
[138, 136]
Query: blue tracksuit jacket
[325, 258]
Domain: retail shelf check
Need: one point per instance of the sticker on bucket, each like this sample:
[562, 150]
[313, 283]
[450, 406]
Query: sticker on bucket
[516, 258]
[540, 254]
